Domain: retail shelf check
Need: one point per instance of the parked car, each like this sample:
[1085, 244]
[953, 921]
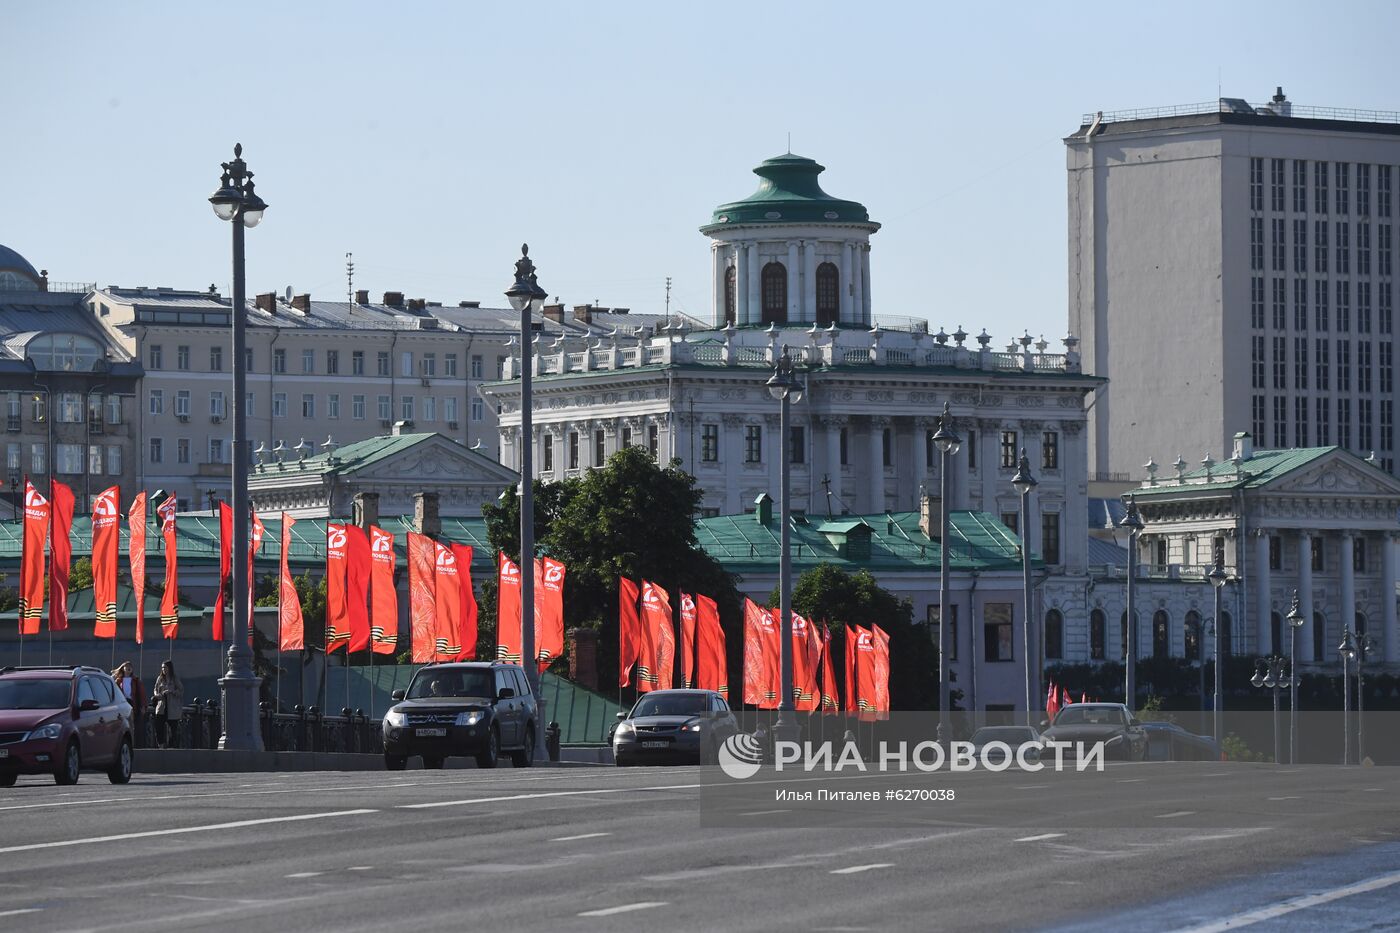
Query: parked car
[477, 709]
[63, 721]
[1013, 736]
[1166, 741]
[686, 726]
[1110, 723]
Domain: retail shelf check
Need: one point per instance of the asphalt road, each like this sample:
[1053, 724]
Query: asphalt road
[593, 848]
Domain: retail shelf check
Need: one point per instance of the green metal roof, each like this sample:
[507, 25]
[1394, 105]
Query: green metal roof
[788, 193]
[358, 455]
[80, 607]
[1262, 468]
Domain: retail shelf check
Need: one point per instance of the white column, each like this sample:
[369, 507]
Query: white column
[794, 282]
[865, 281]
[809, 281]
[755, 278]
[859, 310]
[1348, 581]
[741, 283]
[847, 315]
[1304, 632]
[1392, 626]
[719, 265]
[1264, 602]
[832, 425]
[877, 463]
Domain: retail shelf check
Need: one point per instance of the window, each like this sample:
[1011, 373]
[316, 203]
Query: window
[1358, 554]
[729, 295]
[1050, 537]
[156, 406]
[1256, 302]
[476, 366]
[600, 448]
[1319, 561]
[626, 437]
[1277, 183]
[216, 359]
[1387, 425]
[406, 363]
[1344, 365]
[279, 404]
[1280, 310]
[997, 641]
[308, 361]
[1300, 186]
[381, 362]
[845, 447]
[1363, 307]
[114, 460]
[478, 409]
[429, 408]
[12, 458]
[157, 448]
[308, 405]
[797, 444]
[332, 362]
[709, 443]
[182, 357]
[68, 458]
[1363, 433]
[971, 449]
[1192, 631]
[1012, 520]
[1097, 626]
[1344, 422]
[1322, 423]
[114, 409]
[1161, 634]
[406, 407]
[654, 440]
[449, 364]
[1008, 449]
[1275, 553]
[248, 359]
[1300, 362]
[1319, 636]
[1054, 635]
[1363, 367]
[429, 364]
[1280, 363]
[1320, 187]
[774, 292]
[1343, 171]
[1278, 249]
[828, 293]
[182, 404]
[357, 407]
[155, 356]
[1256, 243]
[216, 404]
[753, 443]
[357, 362]
[548, 453]
[934, 626]
[500, 367]
[70, 408]
[383, 407]
[1258, 363]
[886, 443]
[1256, 184]
[1383, 190]
[332, 406]
[1320, 246]
[1363, 189]
[279, 360]
[216, 450]
[1363, 249]
[1300, 246]
[1343, 248]
[1300, 422]
[573, 450]
[1050, 450]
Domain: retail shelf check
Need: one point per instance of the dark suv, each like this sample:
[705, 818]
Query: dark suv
[62, 721]
[479, 709]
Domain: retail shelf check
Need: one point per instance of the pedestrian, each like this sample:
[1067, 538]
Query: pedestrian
[169, 695]
[131, 687]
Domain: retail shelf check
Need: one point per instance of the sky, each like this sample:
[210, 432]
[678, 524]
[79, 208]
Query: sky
[432, 139]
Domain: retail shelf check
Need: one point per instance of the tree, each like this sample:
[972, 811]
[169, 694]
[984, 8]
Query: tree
[80, 575]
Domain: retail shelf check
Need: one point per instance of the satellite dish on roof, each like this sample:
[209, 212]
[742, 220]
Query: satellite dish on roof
[289, 293]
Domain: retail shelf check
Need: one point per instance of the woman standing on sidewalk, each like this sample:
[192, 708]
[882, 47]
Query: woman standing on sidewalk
[132, 689]
[169, 696]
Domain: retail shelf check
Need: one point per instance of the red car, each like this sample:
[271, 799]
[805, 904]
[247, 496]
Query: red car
[62, 721]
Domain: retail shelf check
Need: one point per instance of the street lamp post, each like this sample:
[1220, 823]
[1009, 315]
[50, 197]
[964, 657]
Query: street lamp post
[526, 296]
[1295, 621]
[1270, 673]
[1347, 649]
[1364, 646]
[1023, 482]
[947, 441]
[1217, 579]
[236, 201]
[786, 388]
[1133, 522]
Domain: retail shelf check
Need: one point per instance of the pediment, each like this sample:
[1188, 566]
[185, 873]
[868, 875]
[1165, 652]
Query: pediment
[1335, 476]
[437, 461]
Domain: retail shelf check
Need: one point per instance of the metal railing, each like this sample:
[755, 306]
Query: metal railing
[305, 729]
[1220, 106]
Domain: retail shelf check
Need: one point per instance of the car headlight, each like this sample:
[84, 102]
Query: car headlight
[396, 718]
[469, 719]
[623, 728]
[691, 727]
[51, 731]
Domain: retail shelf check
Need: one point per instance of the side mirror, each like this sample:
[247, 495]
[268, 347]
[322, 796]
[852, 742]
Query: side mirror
[1044, 723]
[505, 694]
[87, 706]
[621, 715]
[1134, 721]
[397, 695]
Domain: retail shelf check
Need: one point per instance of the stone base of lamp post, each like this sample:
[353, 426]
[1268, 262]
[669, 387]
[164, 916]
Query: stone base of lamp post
[785, 728]
[242, 731]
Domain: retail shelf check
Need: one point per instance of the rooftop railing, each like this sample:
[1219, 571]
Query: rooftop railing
[1295, 111]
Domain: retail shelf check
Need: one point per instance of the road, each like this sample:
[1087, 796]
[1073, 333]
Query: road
[590, 848]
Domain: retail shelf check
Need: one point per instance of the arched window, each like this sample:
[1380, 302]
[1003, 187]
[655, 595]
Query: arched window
[775, 296]
[1275, 633]
[1319, 634]
[1161, 634]
[1054, 635]
[1224, 630]
[730, 302]
[1193, 636]
[828, 293]
[1097, 626]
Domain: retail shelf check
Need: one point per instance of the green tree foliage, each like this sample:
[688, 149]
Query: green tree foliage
[80, 574]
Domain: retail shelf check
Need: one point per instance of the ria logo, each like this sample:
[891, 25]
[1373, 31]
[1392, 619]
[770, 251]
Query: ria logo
[740, 756]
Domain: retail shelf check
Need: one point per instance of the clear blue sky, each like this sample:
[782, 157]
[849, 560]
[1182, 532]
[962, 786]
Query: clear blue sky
[432, 138]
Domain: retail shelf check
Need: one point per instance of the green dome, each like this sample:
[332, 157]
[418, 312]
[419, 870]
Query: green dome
[788, 194]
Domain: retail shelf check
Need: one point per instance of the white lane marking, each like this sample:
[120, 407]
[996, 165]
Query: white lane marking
[1130, 780]
[180, 831]
[855, 869]
[1283, 908]
[764, 812]
[623, 909]
[580, 836]
[1174, 814]
[1040, 837]
[305, 874]
[360, 868]
[1285, 798]
[1031, 786]
[553, 793]
[24, 910]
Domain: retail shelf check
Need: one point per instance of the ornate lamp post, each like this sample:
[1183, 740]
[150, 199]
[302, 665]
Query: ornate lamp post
[1364, 646]
[1023, 482]
[237, 202]
[1347, 649]
[786, 388]
[947, 441]
[1295, 622]
[1271, 674]
[1218, 578]
[1133, 522]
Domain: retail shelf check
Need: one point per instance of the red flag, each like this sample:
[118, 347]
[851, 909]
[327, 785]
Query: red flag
[216, 631]
[106, 538]
[881, 685]
[687, 645]
[357, 570]
[629, 628]
[711, 668]
[1052, 702]
[60, 554]
[549, 611]
[37, 512]
[468, 628]
[422, 606]
[852, 704]
[761, 649]
[831, 700]
[508, 646]
[866, 697]
[658, 655]
[254, 542]
[806, 652]
[290, 630]
[383, 597]
[170, 598]
[1064, 698]
[136, 560]
[1083, 698]
[447, 639]
[337, 596]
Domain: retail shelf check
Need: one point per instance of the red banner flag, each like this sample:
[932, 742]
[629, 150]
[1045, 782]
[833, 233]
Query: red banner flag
[60, 554]
[255, 540]
[806, 652]
[865, 670]
[1052, 702]
[687, 643]
[291, 635]
[852, 704]
[216, 631]
[383, 597]
[422, 607]
[1065, 698]
[106, 539]
[507, 610]
[761, 657]
[549, 611]
[463, 553]
[170, 597]
[831, 700]
[656, 665]
[629, 629]
[711, 667]
[136, 560]
[337, 596]
[881, 685]
[447, 639]
[358, 563]
[31, 566]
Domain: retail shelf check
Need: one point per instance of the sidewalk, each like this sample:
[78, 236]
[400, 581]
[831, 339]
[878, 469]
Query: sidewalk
[205, 761]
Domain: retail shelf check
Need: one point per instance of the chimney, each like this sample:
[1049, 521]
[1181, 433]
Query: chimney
[366, 509]
[555, 313]
[1244, 446]
[393, 299]
[43, 280]
[468, 304]
[425, 513]
[401, 428]
[362, 297]
[931, 516]
[1280, 104]
[583, 657]
[416, 304]
[583, 313]
[267, 302]
[763, 508]
[302, 303]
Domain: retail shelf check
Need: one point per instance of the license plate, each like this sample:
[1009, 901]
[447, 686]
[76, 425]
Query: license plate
[655, 744]
[437, 732]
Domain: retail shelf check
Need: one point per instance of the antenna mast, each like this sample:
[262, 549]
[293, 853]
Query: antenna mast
[668, 296]
[350, 281]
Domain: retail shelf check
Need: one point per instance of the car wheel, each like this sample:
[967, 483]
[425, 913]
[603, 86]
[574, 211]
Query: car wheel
[434, 762]
[486, 758]
[395, 762]
[525, 758]
[8, 780]
[70, 767]
[622, 761]
[120, 772]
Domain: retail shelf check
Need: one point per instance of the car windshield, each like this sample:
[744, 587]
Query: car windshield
[50, 693]
[452, 683]
[1077, 715]
[1008, 734]
[682, 704]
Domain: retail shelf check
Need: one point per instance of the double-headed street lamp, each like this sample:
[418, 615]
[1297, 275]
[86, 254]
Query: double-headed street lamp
[1295, 622]
[1364, 646]
[236, 201]
[1218, 578]
[1273, 673]
[1133, 522]
[947, 441]
[785, 386]
[1023, 482]
[526, 297]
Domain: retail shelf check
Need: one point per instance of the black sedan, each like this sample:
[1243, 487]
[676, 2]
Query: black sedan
[1110, 723]
[673, 726]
